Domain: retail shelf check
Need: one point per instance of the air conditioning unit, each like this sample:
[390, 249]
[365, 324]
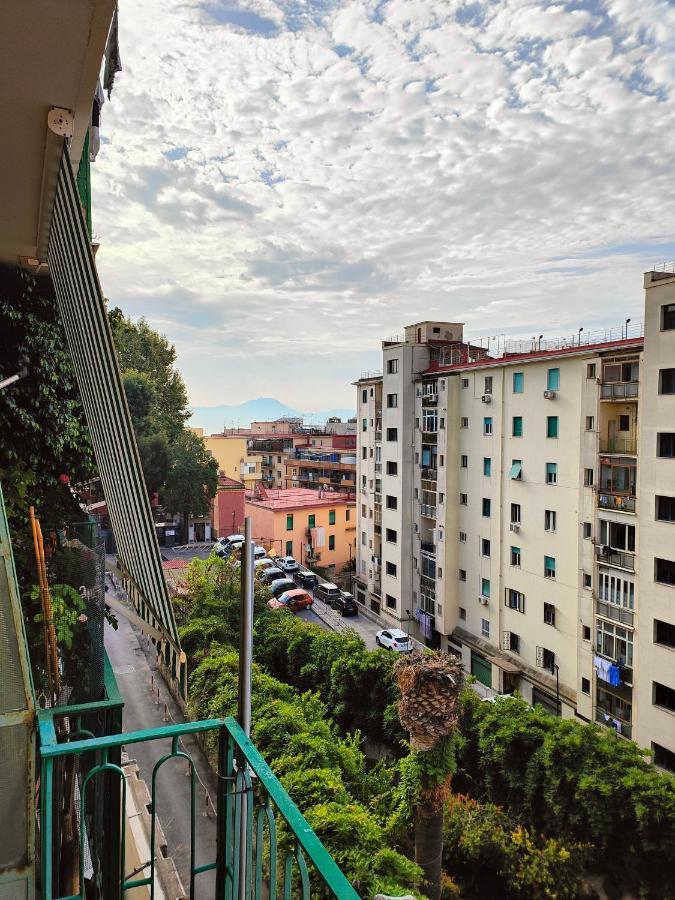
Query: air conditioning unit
[506, 640]
[486, 398]
[549, 395]
[483, 600]
[515, 526]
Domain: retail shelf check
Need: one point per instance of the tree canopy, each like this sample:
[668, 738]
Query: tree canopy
[192, 479]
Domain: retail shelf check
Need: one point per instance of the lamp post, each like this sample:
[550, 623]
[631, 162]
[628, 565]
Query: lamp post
[627, 323]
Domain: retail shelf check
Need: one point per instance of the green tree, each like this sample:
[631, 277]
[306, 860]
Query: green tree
[192, 480]
[141, 399]
[155, 461]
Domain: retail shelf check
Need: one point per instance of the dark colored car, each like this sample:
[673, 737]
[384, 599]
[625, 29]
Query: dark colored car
[280, 586]
[345, 604]
[306, 579]
[328, 592]
[272, 574]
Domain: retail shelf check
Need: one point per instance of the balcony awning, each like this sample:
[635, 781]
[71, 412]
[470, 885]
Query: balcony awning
[84, 316]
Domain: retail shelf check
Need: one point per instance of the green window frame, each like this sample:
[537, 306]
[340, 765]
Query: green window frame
[551, 473]
[485, 587]
[487, 466]
[516, 470]
[311, 521]
[515, 556]
[331, 517]
[289, 548]
[551, 426]
[487, 425]
[549, 566]
[331, 542]
[517, 429]
[518, 382]
[289, 522]
[553, 380]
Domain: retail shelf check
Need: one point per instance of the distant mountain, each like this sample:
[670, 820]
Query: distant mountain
[214, 418]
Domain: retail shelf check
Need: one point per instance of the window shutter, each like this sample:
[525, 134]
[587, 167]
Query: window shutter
[506, 640]
[540, 657]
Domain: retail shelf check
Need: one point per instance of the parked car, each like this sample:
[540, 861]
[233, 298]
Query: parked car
[264, 563]
[281, 585]
[293, 600]
[230, 545]
[273, 573]
[306, 579]
[288, 564]
[394, 639]
[259, 552]
[327, 591]
[345, 604]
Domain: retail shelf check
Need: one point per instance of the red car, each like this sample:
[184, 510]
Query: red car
[293, 600]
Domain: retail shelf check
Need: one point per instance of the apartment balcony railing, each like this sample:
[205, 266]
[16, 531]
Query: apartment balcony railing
[427, 547]
[430, 437]
[378, 466]
[611, 557]
[614, 612]
[607, 718]
[429, 399]
[619, 390]
[619, 502]
[427, 591]
[428, 603]
[428, 510]
[622, 446]
[377, 497]
[378, 516]
[378, 437]
[428, 473]
[250, 856]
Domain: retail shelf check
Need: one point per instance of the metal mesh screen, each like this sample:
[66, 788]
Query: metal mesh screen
[14, 787]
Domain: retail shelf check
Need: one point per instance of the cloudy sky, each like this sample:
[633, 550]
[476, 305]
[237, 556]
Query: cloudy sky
[283, 183]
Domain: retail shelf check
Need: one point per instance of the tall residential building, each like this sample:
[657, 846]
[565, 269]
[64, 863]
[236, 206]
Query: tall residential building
[498, 512]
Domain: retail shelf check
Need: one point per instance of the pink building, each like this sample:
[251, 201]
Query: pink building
[227, 510]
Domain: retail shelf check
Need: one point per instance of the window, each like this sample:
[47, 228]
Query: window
[617, 535]
[540, 698]
[549, 567]
[664, 633]
[392, 502]
[392, 366]
[462, 575]
[664, 571]
[364, 453]
[549, 614]
[586, 632]
[289, 522]
[364, 424]
[463, 500]
[587, 581]
[665, 508]
[665, 444]
[514, 642]
[464, 461]
[516, 470]
[624, 423]
[392, 401]
[441, 497]
[589, 478]
[331, 517]
[390, 601]
[667, 381]
[668, 317]
[462, 613]
[391, 535]
[590, 423]
[551, 473]
[364, 481]
[614, 642]
[462, 537]
[364, 540]
[590, 370]
[517, 426]
[518, 382]
[553, 380]
[465, 383]
[515, 513]
[550, 519]
[372, 392]
[289, 548]
[484, 547]
[585, 686]
[487, 425]
[311, 521]
[587, 531]
[347, 515]
[485, 628]
[551, 426]
[464, 422]
[616, 589]
[441, 460]
[515, 556]
[392, 468]
[486, 507]
[487, 466]
[485, 587]
[364, 395]
[515, 600]
[488, 384]
[663, 758]
[391, 569]
[392, 434]
[331, 542]
[664, 696]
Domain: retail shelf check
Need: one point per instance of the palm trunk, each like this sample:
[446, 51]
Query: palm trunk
[429, 844]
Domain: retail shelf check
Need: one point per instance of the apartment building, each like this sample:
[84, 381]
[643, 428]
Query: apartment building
[498, 512]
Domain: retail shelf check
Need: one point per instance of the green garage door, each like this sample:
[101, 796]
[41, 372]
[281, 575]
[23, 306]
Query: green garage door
[481, 669]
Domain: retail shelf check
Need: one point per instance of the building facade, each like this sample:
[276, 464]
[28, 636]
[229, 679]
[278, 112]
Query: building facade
[499, 519]
[227, 509]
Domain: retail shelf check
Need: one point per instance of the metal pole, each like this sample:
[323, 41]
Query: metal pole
[557, 689]
[244, 694]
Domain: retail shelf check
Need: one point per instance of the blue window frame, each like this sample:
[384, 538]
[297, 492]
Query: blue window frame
[517, 429]
[553, 380]
[487, 466]
[551, 473]
[518, 382]
[549, 566]
[551, 426]
[485, 587]
[516, 469]
[487, 425]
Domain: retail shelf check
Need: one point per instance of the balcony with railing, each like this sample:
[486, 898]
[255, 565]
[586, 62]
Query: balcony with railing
[615, 613]
[428, 589]
[609, 556]
[604, 717]
[620, 446]
[618, 502]
[429, 473]
[619, 390]
[428, 510]
[378, 466]
[429, 399]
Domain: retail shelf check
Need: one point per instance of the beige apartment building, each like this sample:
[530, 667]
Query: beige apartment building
[514, 507]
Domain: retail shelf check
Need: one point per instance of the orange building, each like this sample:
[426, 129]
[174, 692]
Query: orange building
[312, 526]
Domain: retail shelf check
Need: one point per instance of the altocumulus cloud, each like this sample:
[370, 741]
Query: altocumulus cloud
[283, 183]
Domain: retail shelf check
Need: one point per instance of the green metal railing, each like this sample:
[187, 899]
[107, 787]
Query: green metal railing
[250, 841]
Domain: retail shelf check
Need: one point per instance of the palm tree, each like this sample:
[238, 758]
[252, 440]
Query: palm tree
[430, 685]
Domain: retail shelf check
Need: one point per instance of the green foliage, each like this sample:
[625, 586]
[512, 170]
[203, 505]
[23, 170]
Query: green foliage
[577, 782]
[491, 856]
[67, 612]
[193, 477]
